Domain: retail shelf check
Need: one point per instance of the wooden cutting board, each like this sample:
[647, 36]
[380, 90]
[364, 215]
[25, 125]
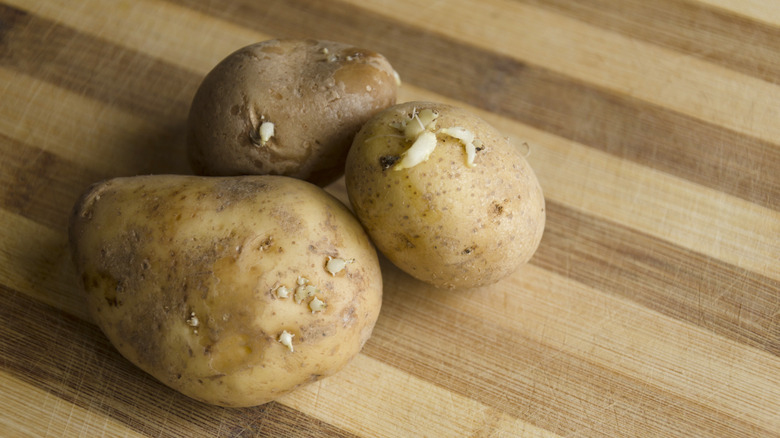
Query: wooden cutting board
[652, 307]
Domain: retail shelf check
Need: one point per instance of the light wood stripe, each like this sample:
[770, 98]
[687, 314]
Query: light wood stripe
[757, 10]
[744, 43]
[178, 26]
[35, 261]
[105, 139]
[691, 287]
[455, 415]
[591, 332]
[49, 416]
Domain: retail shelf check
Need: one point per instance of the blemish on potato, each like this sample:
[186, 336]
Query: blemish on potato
[405, 241]
[266, 243]
[387, 161]
[193, 320]
[348, 316]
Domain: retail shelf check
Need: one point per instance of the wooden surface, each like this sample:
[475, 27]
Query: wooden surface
[652, 307]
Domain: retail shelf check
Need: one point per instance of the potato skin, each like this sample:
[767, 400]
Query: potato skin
[316, 93]
[180, 273]
[442, 221]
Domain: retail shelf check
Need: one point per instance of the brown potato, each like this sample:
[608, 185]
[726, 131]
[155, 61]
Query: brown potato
[233, 291]
[286, 107]
[443, 195]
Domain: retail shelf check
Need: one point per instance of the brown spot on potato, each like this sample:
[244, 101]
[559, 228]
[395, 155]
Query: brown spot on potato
[290, 223]
[388, 161]
[348, 317]
[266, 243]
[405, 242]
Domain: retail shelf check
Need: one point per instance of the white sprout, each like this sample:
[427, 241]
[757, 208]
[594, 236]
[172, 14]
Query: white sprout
[317, 305]
[467, 138]
[282, 292]
[334, 266]
[397, 78]
[424, 120]
[266, 132]
[285, 338]
[304, 291]
[420, 151]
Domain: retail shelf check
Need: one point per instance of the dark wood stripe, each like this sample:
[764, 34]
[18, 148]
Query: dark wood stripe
[714, 35]
[40, 185]
[629, 128]
[123, 78]
[43, 186]
[685, 285]
[72, 360]
[419, 333]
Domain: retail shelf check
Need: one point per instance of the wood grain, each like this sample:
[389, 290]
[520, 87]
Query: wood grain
[652, 307]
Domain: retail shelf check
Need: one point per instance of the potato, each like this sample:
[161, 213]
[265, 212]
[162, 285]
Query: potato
[286, 107]
[231, 290]
[444, 196]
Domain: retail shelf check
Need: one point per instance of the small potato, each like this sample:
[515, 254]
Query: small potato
[286, 107]
[233, 291]
[443, 195]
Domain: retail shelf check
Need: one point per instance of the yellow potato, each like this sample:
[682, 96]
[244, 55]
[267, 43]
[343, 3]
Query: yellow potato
[286, 107]
[444, 195]
[233, 291]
